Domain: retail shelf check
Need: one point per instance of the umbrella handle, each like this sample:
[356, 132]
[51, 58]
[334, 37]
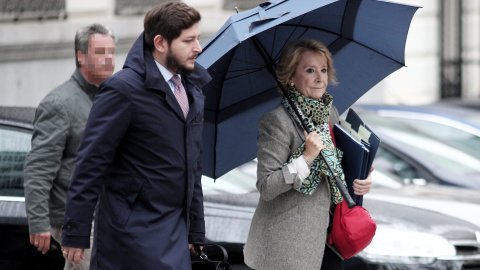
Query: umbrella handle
[343, 190]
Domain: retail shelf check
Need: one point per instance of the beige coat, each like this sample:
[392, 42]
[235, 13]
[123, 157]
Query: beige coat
[288, 229]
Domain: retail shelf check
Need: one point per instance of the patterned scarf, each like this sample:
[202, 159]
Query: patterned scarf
[316, 115]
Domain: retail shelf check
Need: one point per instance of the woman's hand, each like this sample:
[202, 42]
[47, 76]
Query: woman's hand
[313, 146]
[362, 187]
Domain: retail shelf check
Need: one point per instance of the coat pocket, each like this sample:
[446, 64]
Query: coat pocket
[121, 196]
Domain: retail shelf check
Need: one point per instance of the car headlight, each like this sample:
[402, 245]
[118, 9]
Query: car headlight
[406, 247]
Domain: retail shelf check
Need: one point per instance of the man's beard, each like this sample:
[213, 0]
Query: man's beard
[174, 65]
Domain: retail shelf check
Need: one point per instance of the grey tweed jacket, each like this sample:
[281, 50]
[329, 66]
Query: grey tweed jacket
[288, 229]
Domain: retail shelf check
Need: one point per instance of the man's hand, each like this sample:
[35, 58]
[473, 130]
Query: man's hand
[41, 241]
[73, 254]
[192, 249]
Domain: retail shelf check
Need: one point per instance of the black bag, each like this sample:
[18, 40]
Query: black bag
[202, 262]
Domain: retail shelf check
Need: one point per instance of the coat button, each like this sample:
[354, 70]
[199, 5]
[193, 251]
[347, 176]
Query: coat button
[69, 228]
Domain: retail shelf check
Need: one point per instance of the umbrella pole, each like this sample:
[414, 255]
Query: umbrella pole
[342, 188]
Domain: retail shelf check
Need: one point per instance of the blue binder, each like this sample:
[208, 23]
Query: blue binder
[374, 141]
[358, 155]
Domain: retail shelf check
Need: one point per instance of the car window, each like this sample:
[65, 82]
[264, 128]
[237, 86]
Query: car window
[384, 179]
[387, 161]
[439, 153]
[14, 146]
[469, 142]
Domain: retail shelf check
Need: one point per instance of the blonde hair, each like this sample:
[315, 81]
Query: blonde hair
[288, 60]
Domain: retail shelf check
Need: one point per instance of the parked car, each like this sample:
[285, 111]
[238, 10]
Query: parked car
[457, 125]
[411, 233]
[16, 252]
[427, 143]
[473, 104]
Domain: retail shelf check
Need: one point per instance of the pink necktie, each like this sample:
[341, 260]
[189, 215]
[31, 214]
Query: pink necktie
[180, 94]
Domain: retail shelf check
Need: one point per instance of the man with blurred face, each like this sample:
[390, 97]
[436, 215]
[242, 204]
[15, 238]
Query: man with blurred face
[58, 126]
[141, 154]
[99, 63]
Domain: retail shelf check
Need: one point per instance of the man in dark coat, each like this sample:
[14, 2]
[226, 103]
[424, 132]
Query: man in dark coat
[141, 156]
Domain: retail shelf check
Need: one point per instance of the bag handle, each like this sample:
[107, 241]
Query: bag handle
[204, 256]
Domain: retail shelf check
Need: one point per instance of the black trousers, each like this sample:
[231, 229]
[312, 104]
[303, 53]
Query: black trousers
[331, 261]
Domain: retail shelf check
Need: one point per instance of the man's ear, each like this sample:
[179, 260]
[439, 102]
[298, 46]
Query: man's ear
[160, 43]
[81, 58]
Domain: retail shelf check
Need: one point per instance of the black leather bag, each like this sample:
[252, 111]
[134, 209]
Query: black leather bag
[202, 262]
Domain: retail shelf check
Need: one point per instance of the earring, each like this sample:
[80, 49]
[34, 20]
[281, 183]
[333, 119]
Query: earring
[292, 84]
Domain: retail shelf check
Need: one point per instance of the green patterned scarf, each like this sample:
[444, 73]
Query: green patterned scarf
[316, 115]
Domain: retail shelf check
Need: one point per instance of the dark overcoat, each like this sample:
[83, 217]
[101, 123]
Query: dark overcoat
[142, 160]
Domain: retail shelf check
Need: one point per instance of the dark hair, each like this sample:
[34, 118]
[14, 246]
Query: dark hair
[168, 20]
[288, 60]
[83, 36]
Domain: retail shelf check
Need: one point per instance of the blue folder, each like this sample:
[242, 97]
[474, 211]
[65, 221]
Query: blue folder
[358, 156]
[374, 141]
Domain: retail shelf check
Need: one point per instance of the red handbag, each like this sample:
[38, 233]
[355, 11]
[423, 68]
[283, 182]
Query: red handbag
[352, 229]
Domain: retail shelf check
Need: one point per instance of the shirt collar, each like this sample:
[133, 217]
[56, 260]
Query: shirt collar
[167, 75]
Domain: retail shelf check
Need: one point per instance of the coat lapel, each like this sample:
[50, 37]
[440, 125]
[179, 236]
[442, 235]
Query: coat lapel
[196, 99]
[195, 81]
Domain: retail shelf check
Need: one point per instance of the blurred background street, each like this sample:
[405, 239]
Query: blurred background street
[425, 197]
[36, 45]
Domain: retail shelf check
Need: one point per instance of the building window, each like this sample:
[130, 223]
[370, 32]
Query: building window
[14, 10]
[136, 7]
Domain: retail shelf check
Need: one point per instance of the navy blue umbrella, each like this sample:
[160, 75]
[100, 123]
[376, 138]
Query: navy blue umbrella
[366, 38]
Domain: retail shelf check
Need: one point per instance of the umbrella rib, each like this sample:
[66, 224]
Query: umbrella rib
[247, 62]
[274, 38]
[289, 37]
[219, 98]
[243, 74]
[342, 37]
[269, 68]
[249, 71]
[259, 67]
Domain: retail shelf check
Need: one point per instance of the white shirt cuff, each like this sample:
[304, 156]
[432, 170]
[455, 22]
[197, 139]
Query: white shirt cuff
[300, 167]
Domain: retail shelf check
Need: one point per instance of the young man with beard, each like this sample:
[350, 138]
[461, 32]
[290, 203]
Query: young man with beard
[141, 154]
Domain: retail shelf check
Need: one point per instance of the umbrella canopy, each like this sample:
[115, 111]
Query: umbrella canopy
[366, 38]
